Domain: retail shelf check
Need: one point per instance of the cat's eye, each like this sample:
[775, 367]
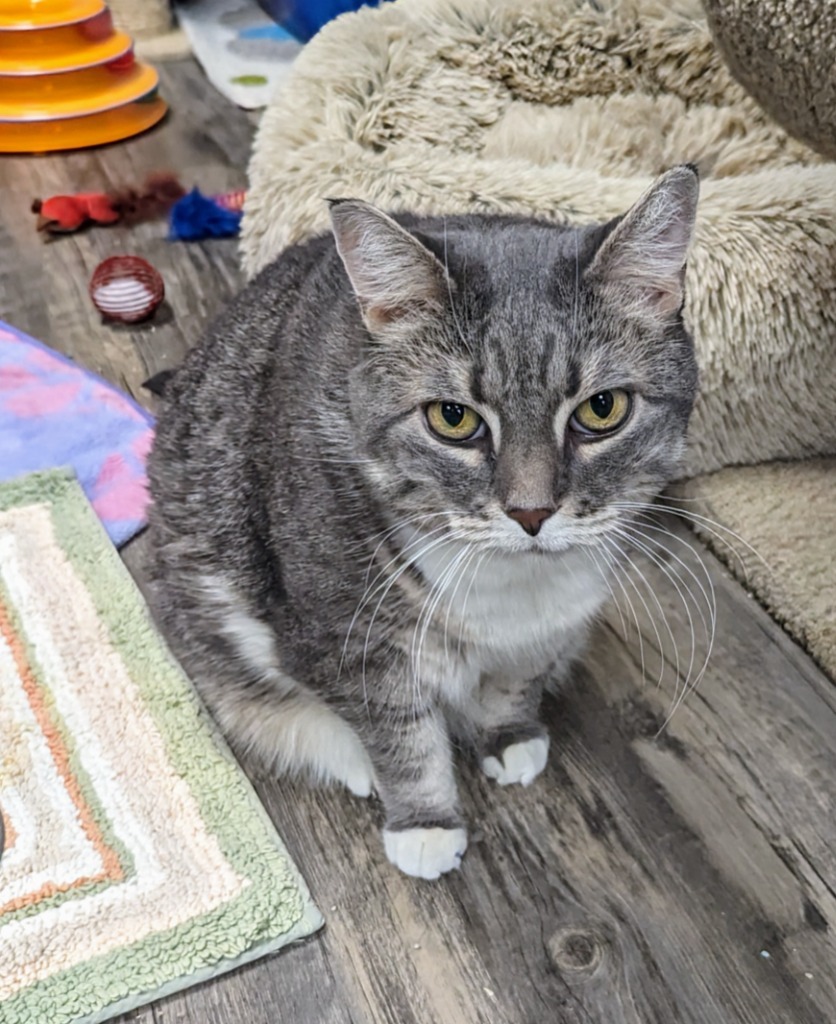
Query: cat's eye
[454, 422]
[602, 413]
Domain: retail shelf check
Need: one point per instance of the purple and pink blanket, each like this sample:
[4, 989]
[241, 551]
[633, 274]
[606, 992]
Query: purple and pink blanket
[54, 413]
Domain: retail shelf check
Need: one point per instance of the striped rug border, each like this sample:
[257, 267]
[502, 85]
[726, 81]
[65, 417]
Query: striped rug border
[118, 860]
[273, 909]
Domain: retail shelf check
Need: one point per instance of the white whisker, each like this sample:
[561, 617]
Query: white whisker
[709, 525]
[429, 607]
[650, 617]
[591, 552]
[709, 595]
[487, 554]
[639, 545]
[611, 560]
[637, 531]
[431, 546]
[474, 550]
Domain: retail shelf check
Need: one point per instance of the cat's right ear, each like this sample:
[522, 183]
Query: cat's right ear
[394, 277]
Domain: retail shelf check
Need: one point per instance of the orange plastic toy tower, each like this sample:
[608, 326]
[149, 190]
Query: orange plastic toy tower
[68, 79]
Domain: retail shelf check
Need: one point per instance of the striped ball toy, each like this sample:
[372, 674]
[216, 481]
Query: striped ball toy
[126, 289]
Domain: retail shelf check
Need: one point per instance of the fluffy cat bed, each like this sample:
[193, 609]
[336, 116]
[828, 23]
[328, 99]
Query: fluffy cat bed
[569, 109]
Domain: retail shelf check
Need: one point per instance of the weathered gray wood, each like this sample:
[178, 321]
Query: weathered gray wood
[641, 880]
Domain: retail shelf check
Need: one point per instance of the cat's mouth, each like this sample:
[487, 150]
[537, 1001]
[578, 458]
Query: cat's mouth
[543, 549]
[555, 543]
[542, 546]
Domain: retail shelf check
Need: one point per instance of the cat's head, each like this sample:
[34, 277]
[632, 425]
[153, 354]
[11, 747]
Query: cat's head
[522, 381]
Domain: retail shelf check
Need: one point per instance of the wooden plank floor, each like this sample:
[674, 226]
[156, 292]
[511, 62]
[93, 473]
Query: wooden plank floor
[643, 879]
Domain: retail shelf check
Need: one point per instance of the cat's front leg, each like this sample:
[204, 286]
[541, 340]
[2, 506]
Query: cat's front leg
[513, 744]
[424, 833]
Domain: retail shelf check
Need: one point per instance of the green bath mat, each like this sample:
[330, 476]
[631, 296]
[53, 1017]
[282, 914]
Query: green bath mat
[137, 858]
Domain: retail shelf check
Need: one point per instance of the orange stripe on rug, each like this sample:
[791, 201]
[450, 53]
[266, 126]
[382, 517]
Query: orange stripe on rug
[113, 871]
[10, 836]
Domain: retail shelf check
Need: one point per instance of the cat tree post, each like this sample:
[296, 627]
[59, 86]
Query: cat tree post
[69, 79]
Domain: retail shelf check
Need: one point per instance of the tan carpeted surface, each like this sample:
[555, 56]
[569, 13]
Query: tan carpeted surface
[568, 109]
[787, 513]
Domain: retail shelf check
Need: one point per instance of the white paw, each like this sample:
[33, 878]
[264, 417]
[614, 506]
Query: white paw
[426, 852]
[521, 762]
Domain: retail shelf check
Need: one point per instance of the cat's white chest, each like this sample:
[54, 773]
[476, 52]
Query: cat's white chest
[513, 611]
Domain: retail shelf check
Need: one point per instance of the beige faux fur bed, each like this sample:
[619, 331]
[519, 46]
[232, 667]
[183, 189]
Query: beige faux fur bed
[568, 109]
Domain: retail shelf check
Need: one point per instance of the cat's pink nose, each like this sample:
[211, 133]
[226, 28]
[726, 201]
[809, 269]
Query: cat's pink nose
[530, 519]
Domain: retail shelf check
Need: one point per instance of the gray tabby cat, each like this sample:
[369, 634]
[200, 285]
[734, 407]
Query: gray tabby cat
[381, 481]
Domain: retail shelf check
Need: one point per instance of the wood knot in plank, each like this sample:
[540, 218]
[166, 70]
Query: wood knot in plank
[577, 951]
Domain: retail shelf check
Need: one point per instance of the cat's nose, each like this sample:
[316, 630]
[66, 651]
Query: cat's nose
[530, 519]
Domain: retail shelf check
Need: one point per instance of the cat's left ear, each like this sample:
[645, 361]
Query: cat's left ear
[395, 277]
[646, 252]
